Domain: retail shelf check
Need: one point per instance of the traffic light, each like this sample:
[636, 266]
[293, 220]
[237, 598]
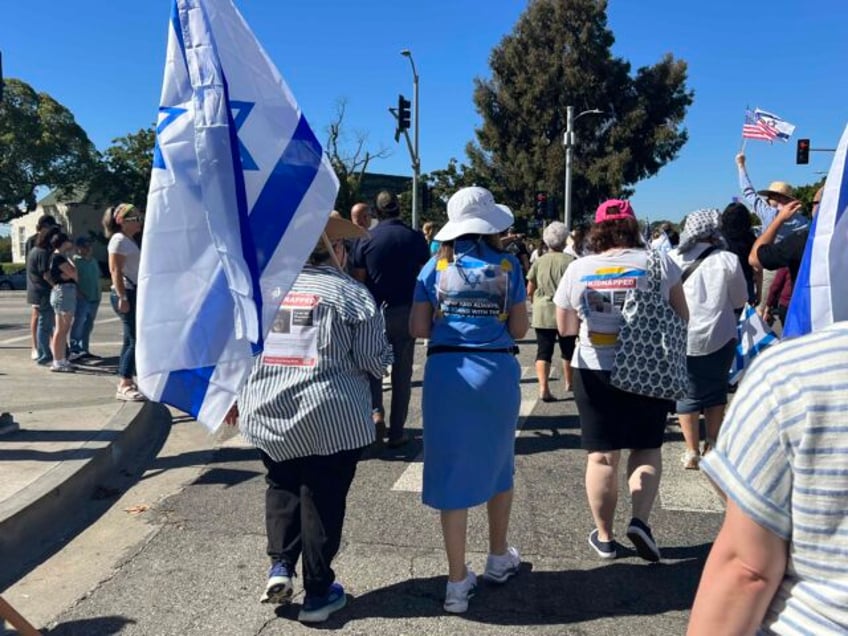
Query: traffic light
[802, 152]
[403, 112]
[541, 208]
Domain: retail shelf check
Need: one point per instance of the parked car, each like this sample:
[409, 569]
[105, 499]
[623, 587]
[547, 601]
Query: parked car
[15, 280]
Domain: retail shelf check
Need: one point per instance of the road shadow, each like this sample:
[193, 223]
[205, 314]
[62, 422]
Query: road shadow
[100, 626]
[544, 433]
[626, 587]
[208, 457]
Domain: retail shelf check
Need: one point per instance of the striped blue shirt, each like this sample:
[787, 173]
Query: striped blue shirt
[317, 402]
[782, 457]
[765, 212]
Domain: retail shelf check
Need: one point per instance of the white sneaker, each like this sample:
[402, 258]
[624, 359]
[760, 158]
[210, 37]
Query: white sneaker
[500, 567]
[691, 459]
[457, 594]
[34, 354]
[62, 366]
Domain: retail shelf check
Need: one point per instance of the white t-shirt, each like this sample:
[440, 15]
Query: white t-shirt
[128, 248]
[595, 286]
[713, 291]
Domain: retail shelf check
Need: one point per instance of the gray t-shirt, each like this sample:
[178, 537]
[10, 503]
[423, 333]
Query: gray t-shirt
[128, 248]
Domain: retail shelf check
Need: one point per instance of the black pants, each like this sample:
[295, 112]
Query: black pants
[403, 347]
[304, 512]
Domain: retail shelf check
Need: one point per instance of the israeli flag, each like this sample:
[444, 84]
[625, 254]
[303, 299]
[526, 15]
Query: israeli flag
[820, 295]
[239, 195]
[753, 335]
[783, 128]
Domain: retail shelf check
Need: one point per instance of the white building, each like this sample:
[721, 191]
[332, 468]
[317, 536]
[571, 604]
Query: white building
[74, 213]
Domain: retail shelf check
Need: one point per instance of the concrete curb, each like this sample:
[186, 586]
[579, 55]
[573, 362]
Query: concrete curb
[40, 517]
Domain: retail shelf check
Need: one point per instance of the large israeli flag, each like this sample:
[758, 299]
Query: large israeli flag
[820, 295]
[239, 195]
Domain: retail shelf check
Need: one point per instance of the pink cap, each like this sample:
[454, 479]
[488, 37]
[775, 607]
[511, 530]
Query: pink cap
[613, 210]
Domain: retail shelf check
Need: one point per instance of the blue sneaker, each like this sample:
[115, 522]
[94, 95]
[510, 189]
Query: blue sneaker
[279, 588]
[604, 549]
[317, 609]
[641, 537]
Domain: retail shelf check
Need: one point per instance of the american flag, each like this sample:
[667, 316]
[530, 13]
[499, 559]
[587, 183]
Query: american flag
[757, 128]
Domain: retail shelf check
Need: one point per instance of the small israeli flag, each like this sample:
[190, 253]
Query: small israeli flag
[753, 335]
[820, 294]
[239, 195]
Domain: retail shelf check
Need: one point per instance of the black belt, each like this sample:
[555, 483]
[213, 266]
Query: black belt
[459, 349]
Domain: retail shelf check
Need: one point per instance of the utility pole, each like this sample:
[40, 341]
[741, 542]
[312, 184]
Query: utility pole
[569, 141]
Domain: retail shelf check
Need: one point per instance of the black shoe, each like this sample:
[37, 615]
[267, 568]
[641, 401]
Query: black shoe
[548, 398]
[398, 442]
[379, 432]
[640, 535]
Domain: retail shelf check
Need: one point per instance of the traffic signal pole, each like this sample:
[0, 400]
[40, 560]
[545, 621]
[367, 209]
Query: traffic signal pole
[416, 159]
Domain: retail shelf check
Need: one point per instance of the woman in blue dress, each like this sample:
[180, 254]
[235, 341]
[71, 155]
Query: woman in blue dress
[470, 303]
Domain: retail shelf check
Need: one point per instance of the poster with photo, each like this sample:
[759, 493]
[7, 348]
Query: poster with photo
[293, 340]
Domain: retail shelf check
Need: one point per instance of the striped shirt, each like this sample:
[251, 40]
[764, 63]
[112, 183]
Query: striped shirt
[782, 457]
[765, 212]
[308, 393]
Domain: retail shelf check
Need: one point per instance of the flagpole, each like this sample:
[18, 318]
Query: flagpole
[744, 140]
[326, 240]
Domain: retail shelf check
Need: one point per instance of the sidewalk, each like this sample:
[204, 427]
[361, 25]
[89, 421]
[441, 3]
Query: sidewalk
[72, 439]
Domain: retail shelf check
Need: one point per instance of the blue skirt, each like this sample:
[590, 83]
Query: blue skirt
[470, 412]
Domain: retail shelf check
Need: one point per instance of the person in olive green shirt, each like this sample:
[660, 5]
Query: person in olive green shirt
[88, 299]
[542, 281]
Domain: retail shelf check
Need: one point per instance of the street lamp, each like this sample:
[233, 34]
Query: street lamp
[416, 160]
[569, 143]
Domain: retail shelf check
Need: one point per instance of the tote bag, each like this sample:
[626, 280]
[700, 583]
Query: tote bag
[650, 356]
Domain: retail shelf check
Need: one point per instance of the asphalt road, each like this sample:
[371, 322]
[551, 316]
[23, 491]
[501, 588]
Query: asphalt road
[14, 324]
[200, 568]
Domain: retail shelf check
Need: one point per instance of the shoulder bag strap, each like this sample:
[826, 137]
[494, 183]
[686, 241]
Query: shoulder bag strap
[696, 263]
[654, 270]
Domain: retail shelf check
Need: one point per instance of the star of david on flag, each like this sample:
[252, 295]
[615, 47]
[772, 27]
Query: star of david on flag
[239, 195]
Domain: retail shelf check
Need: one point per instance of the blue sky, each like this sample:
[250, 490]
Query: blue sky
[104, 61]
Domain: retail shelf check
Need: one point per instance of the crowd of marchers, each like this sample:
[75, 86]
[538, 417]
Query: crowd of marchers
[313, 404]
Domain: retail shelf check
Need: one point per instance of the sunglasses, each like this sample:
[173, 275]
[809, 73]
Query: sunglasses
[132, 218]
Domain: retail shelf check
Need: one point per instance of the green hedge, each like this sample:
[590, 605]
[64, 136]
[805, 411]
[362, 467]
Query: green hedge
[8, 268]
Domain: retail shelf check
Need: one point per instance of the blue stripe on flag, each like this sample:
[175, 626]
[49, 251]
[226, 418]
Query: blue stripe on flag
[799, 317]
[286, 186]
[178, 29]
[248, 247]
[187, 389]
[281, 195]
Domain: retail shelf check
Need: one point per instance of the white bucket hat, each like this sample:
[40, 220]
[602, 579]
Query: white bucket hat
[474, 211]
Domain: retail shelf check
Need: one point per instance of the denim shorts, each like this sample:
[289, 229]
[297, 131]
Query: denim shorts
[63, 298]
[708, 377]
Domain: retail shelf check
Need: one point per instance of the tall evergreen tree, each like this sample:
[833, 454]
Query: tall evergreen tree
[559, 54]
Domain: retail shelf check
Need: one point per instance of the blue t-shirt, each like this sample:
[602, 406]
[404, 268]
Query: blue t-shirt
[471, 296]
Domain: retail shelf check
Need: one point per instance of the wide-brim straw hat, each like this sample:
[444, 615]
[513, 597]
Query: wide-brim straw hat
[778, 190]
[339, 227]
